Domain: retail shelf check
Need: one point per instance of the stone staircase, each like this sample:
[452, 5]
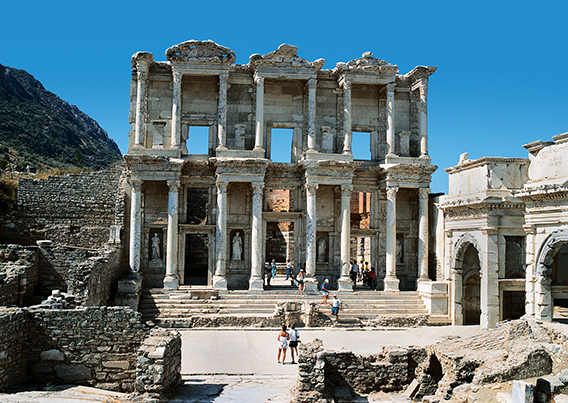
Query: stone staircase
[175, 308]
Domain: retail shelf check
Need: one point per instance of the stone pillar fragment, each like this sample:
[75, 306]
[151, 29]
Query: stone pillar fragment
[259, 133]
[171, 281]
[312, 84]
[222, 116]
[423, 233]
[423, 120]
[141, 89]
[391, 281]
[176, 111]
[345, 283]
[219, 279]
[256, 283]
[390, 119]
[135, 226]
[347, 117]
[311, 222]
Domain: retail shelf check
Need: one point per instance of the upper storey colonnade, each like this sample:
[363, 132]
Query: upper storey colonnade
[237, 102]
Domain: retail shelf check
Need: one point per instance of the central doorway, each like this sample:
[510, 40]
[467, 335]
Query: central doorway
[196, 266]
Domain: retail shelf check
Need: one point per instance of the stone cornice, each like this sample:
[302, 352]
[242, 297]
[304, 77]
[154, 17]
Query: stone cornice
[207, 52]
[286, 56]
[543, 192]
[469, 164]
[366, 64]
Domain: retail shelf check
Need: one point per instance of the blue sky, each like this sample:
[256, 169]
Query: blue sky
[501, 64]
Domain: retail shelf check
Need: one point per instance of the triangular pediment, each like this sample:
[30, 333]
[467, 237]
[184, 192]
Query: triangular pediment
[285, 56]
[201, 52]
[367, 63]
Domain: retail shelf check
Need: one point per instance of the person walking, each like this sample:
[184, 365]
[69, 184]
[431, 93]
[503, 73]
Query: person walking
[325, 291]
[294, 339]
[273, 266]
[372, 276]
[283, 338]
[336, 306]
[300, 279]
[354, 272]
[267, 273]
[288, 269]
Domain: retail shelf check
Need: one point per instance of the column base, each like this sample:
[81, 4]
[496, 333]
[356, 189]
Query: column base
[421, 280]
[256, 285]
[219, 283]
[171, 282]
[310, 284]
[391, 284]
[345, 284]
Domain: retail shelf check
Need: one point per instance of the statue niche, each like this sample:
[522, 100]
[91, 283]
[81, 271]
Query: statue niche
[237, 246]
[155, 252]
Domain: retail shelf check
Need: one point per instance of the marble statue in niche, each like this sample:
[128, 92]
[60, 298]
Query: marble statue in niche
[156, 255]
[322, 250]
[237, 247]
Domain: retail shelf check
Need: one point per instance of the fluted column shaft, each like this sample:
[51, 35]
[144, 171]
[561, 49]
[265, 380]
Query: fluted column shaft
[391, 282]
[259, 133]
[222, 125]
[176, 111]
[312, 84]
[141, 89]
[256, 282]
[423, 108]
[347, 117]
[135, 226]
[345, 283]
[390, 119]
[423, 233]
[171, 280]
[311, 189]
[219, 280]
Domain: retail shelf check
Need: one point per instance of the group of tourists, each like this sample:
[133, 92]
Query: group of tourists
[288, 338]
[365, 274]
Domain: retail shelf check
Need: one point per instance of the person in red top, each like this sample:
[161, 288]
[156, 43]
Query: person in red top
[282, 338]
[372, 275]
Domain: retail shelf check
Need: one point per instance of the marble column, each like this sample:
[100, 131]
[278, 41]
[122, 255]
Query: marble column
[171, 280]
[390, 120]
[256, 283]
[423, 120]
[489, 262]
[391, 281]
[219, 279]
[176, 111]
[347, 117]
[312, 84]
[141, 89]
[311, 223]
[345, 283]
[423, 233]
[222, 125]
[259, 133]
[135, 226]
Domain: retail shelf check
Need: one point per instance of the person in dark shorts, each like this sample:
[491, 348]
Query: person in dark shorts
[336, 306]
[294, 339]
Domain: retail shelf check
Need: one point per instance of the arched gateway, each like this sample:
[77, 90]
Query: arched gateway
[466, 270]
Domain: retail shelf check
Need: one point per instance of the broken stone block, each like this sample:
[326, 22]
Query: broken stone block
[522, 392]
[52, 355]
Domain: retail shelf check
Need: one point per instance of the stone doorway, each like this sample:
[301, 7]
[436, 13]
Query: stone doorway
[471, 287]
[196, 262]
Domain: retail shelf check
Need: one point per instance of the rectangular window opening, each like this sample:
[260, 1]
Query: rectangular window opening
[361, 145]
[198, 140]
[281, 145]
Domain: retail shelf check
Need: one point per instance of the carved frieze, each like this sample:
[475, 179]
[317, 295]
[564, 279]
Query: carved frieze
[201, 52]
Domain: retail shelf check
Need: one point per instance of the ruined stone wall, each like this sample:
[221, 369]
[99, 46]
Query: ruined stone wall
[74, 209]
[89, 274]
[19, 268]
[13, 352]
[94, 346]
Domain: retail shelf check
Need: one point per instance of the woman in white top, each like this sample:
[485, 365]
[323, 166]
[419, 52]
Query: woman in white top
[283, 338]
[294, 336]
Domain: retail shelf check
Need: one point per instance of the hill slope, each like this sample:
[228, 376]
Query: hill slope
[40, 129]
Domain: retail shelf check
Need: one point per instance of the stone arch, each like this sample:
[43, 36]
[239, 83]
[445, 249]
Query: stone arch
[467, 286]
[543, 285]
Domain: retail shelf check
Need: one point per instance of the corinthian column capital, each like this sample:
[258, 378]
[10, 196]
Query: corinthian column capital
[259, 81]
[391, 191]
[346, 190]
[136, 185]
[222, 186]
[173, 186]
[257, 187]
[176, 76]
[311, 188]
[423, 193]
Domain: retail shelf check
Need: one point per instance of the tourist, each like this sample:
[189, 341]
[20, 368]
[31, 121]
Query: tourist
[267, 273]
[336, 306]
[273, 265]
[294, 336]
[372, 277]
[300, 279]
[325, 291]
[288, 269]
[283, 338]
[354, 272]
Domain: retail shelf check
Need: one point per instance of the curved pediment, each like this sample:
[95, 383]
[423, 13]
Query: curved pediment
[201, 52]
[285, 56]
[367, 63]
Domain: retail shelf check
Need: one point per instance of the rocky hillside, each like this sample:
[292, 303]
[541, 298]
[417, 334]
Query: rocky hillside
[40, 129]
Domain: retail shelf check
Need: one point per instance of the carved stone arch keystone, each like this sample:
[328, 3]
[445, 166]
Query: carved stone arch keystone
[548, 250]
[459, 250]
